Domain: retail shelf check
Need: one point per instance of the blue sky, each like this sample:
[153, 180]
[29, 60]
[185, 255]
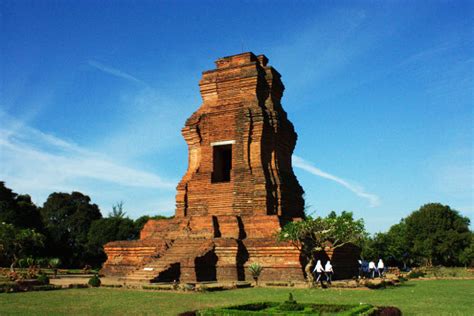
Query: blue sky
[94, 95]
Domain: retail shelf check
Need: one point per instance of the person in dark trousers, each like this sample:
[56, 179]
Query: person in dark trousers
[380, 268]
[328, 271]
[318, 269]
[372, 269]
[365, 269]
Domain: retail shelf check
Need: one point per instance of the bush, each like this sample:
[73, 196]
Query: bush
[94, 281]
[255, 270]
[43, 279]
[22, 263]
[415, 274]
[290, 305]
[42, 262]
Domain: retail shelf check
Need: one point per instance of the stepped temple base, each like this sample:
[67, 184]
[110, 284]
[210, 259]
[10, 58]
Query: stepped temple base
[204, 248]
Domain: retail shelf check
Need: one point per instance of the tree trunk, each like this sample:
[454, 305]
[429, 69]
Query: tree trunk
[308, 270]
[12, 266]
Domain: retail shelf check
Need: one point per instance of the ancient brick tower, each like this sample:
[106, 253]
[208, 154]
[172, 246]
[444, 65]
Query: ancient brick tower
[237, 192]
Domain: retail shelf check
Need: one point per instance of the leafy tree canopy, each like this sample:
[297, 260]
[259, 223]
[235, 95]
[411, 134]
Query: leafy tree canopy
[18, 243]
[141, 221]
[432, 235]
[67, 218]
[18, 210]
[108, 229]
[312, 235]
[437, 234]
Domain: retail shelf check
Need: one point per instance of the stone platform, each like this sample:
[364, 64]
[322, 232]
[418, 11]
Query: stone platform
[187, 250]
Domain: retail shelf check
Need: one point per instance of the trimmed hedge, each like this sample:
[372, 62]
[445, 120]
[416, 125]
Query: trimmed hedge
[94, 281]
[288, 308]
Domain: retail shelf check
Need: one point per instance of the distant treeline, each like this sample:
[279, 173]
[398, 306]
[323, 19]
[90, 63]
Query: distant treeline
[69, 227]
[432, 235]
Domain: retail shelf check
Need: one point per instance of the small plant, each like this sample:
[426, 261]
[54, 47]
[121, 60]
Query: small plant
[255, 270]
[54, 264]
[94, 281]
[22, 263]
[290, 304]
[30, 262]
[43, 278]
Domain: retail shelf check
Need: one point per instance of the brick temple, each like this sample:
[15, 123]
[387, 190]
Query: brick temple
[238, 191]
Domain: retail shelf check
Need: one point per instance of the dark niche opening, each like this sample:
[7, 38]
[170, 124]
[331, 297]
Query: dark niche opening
[169, 275]
[221, 163]
[205, 267]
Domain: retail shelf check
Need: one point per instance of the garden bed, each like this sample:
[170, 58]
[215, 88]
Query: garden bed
[285, 308]
[291, 307]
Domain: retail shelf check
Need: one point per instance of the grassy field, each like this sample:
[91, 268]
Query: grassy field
[426, 297]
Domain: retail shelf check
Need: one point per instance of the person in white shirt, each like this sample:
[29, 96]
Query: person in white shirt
[380, 268]
[319, 272]
[372, 269]
[329, 272]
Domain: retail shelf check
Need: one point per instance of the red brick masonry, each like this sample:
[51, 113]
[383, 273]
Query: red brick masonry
[238, 191]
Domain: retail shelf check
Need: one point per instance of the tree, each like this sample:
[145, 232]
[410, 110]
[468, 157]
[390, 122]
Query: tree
[466, 257]
[117, 210]
[313, 235]
[141, 221]
[18, 210]
[108, 229]
[437, 235]
[18, 243]
[391, 246]
[67, 218]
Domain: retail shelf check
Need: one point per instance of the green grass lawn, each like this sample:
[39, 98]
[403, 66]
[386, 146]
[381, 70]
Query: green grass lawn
[428, 297]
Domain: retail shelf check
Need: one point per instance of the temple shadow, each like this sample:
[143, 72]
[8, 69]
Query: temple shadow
[205, 267]
[242, 257]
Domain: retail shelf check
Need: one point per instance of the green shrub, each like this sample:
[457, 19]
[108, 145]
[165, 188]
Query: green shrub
[43, 278]
[255, 270]
[77, 286]
[45, 287]
[42, 262]
[22, 263]
[94, 281]
[290, 305]
[252, 306]
[30, 261]
[415, 274]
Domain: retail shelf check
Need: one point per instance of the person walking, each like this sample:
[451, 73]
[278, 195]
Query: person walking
[372, 269]
[319, 272]
[380, 268]
[329, 271]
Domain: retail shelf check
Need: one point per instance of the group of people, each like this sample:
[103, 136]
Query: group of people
[321, 271]
[369, 269]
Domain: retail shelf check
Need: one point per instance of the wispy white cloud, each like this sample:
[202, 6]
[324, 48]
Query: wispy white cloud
[299, 162]
[150, 124]
[114, 71]
[37, 163]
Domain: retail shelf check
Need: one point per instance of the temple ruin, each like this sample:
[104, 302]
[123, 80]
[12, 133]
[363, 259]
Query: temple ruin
[238, 191]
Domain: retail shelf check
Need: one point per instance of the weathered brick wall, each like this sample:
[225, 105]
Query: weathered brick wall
[241, 103]
[220, 228]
